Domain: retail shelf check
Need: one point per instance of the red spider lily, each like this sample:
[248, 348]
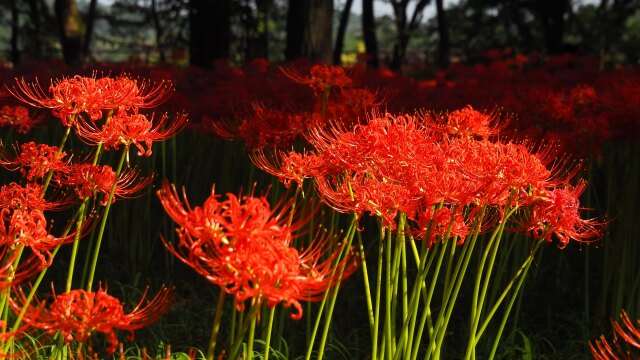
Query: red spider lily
[362, 193]
[321, 77]
[558, 213]
[29, 229]
[263, 127]
[244, 246]
[126, 93]
[89, 180]
[69, 97]
[130, 129]
[28, 197]
[352, 105]
[23, 222]
[17, 117]
[289, 167]
[79, 314]
[38, 158]
[469, 123]
[625, 344]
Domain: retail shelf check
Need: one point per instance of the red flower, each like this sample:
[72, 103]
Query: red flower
[625, 344]
[244, 246]
[78, 314]
[69, 97]
[558, 213]
[469, 123]
[14, 196]
[263, 127]
[407, 163]
[38, 158]
[130, 129]
[17, 117]
[321, 78]
[89, 180]
[23, 222]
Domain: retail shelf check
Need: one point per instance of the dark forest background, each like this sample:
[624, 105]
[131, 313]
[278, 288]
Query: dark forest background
[421, 35]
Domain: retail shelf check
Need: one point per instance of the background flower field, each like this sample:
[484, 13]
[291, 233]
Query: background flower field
[580, 122]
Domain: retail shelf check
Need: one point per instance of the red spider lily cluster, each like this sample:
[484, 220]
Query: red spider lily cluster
[105, 114]
[443, 170]
[79, 314]
[555, 98]
[247, 248]
[117, 99]
[411, 163]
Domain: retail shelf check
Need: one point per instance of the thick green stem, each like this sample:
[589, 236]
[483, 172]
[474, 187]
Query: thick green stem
[216, 326]
[376, 316]
[252, 333]
[267, 340]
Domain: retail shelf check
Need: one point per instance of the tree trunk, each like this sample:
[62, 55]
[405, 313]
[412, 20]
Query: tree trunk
[88, 34]
[158, 30]
[309, 30]
[15, 29]
[258, 37]
[443, 35]
[342, 30]
[35, 13]
[210, 31]
[404, 28]
[70, 31]
[552, 17]
[369, 34]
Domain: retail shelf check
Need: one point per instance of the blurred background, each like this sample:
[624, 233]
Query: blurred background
[421, 35]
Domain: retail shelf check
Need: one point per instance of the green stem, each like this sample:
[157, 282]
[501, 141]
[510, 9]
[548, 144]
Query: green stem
[76, 241]
[485, 272]
[267, 340]
[216, 326]
[520, 275]
[388, 329]
[105, 215]
[323, 303]
[245, 324]
[334, 295]
[437, 333]
[252, 333]
[376, 316]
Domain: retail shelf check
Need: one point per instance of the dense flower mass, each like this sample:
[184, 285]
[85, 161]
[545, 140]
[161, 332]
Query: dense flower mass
[78, 314]
[245, 247]
[410, 163]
